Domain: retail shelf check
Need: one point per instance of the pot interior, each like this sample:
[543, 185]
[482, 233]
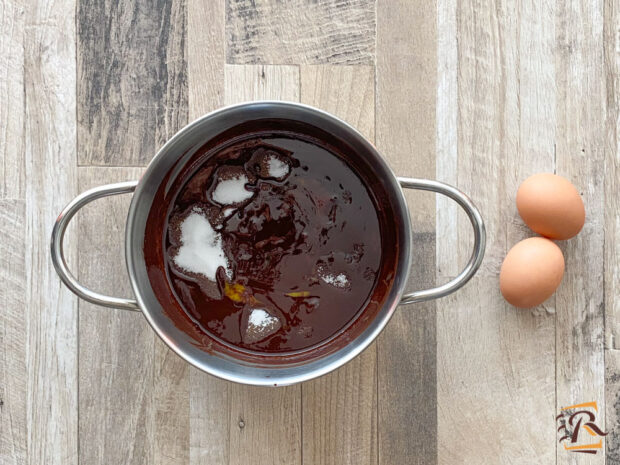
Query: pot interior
[155, 195]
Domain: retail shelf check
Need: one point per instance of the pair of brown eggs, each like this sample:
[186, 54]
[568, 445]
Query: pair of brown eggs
[533, 269]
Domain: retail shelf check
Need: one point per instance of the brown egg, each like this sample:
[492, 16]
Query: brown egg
[531, 272]
[551, 206]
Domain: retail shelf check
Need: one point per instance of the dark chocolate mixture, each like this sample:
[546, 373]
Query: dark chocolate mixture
[283, 254]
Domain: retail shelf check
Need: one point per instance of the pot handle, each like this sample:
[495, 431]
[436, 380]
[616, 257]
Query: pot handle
[479, 238]
[58, 256]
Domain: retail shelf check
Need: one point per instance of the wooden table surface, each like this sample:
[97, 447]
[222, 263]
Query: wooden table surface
[477, 93]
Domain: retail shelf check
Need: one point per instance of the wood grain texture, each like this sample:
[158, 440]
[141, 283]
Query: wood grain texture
[405, 134]
[580, 150]
[50, 309]
[612, 175]
[244, 83]
[340, 414]
[265, 423]
[487, 349]
[209, 419]
[300, 32]
[406, 89]
[347, 92]
[116, 346]
[132, 89]
[12, 99]
[340, 409]
[446, 137]
[612, 230]
[171, 400]
[407, 376]
[208, 396]
[140, 414]
[140, 87]
[13, 331]
[486, 364]
[206, 55]
[612, 406]
[477, 93]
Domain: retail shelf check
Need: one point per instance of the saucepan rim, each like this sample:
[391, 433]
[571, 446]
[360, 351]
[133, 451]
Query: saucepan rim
[230, 369]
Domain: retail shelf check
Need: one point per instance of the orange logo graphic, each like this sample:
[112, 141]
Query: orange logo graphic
[571, 423]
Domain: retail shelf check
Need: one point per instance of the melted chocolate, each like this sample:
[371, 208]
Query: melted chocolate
[305, 247]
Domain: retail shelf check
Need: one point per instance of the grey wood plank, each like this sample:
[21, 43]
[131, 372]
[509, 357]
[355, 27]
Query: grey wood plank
[446, 136]
[13, 333]
[406, 133]
[139, 54]
[50, 308]
[612, 175]
[495, 363]
[265, 423]
[580, 150]
[612, 232]
[12, 99]
[407, 377]
[257, 82]
[345, 91]
[612, 404]
[340, 414]
[209, 418]
[495, 371]
[132, 89]
[171, 399]
[340, 409]
[300, 32]
[206, 57]
[115, 346]
[406, 88]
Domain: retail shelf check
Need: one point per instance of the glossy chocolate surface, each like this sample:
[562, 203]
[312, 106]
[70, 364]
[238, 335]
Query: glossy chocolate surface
[306, 247]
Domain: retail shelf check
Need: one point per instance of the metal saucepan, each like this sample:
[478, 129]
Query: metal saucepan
[167, 161]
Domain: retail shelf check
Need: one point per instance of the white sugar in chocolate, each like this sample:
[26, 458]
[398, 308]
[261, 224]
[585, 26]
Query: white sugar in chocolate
[340, 280]
[260, 318]
[201, 247]
[277, 168]
[231, 191]
[228, 211]
[261, 325]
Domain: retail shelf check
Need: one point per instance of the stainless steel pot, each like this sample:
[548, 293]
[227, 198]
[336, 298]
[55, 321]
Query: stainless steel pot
[168, 158]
